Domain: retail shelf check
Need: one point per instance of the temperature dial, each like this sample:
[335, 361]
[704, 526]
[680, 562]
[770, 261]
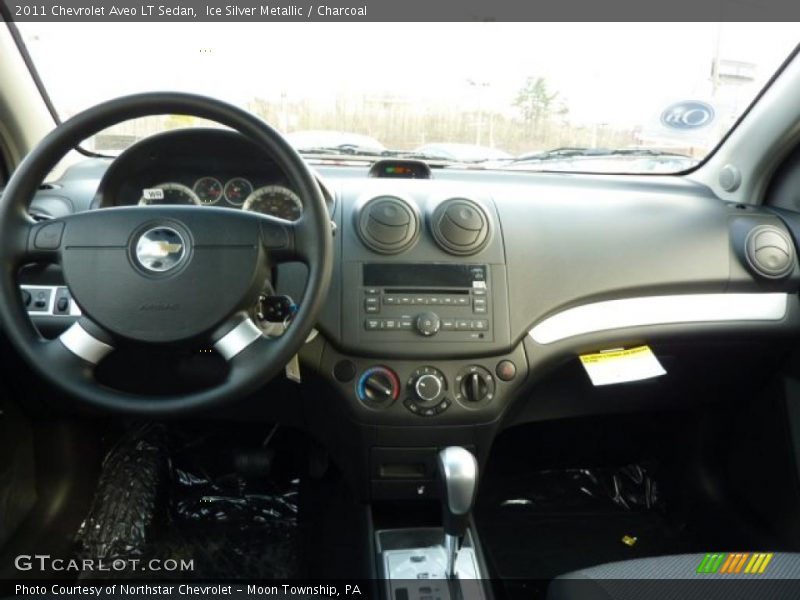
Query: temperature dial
[378, 386]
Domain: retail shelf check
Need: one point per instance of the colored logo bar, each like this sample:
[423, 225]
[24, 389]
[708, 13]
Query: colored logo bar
[734, 563]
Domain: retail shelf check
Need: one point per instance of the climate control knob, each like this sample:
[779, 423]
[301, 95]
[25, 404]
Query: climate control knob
[428, 323]
[474, 386]
[429, 388]
[378, 386]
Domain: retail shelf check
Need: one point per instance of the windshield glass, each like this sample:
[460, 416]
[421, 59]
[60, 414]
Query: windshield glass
[630, 97]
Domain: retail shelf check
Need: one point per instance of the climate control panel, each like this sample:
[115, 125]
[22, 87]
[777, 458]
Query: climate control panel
[427, 392]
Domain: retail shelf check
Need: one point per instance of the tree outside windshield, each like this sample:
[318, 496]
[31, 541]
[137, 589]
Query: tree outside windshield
[631, 97]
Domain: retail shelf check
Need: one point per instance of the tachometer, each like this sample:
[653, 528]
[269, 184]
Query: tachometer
[237, 190]
[208, 189]
[168, 193]
[276, 201]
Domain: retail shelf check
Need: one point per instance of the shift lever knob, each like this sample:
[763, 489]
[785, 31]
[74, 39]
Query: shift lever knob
[458, 470]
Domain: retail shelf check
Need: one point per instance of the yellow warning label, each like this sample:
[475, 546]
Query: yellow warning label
[622, 365]
[614, 354]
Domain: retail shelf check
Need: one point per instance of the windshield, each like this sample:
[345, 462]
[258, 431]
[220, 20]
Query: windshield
[630, 97]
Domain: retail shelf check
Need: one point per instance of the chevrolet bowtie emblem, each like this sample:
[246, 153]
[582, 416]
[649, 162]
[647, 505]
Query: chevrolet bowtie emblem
[160, 249]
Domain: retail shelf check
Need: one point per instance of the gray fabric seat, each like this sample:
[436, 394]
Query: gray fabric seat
[676, 578]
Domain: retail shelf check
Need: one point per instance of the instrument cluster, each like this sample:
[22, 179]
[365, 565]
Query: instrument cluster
[272, 199]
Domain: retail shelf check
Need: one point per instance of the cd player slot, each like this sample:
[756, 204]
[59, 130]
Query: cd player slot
[448, 291]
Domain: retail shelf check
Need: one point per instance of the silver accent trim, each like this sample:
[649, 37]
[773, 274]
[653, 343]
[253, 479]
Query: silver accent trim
[84, 345]
[659, 310]
[459, 470]
[74, 310]
[238, 338]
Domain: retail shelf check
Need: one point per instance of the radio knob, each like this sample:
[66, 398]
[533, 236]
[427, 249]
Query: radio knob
[428, 323]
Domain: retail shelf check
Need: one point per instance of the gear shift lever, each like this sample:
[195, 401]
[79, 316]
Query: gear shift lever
[458, 471]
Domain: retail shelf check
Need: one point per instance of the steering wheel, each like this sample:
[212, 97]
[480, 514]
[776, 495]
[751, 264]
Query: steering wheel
[161, 275]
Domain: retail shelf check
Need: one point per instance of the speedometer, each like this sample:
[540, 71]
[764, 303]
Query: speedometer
[168, 193]
[208, 189]
[276, 201]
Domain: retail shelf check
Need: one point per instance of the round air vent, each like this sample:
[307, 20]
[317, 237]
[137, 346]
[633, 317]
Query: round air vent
[460, 226]
[769, 252]
[388, 224]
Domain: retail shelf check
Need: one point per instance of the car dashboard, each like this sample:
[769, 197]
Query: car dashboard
[456, 289]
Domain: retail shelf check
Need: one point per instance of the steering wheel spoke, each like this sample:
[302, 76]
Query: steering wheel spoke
[235, 336]
[285, 241]
[29, 242]
[73, 356]
[87, 341]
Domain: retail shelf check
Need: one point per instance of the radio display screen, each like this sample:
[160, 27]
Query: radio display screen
[422, 275]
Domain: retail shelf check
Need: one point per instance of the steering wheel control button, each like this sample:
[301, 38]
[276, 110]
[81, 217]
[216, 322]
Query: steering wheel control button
[160, 249]
[49, 236]
[428, 323]
[506, 370]
[474, 386]
[378, 387]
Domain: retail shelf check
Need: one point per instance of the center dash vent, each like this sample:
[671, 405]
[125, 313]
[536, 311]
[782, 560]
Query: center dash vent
[387, 224]
[460, 226]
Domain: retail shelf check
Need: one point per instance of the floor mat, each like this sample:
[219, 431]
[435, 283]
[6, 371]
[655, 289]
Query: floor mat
[550, 522]
[203, 498]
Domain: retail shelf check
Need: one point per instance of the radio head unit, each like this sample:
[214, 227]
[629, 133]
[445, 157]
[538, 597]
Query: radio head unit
[407, 301]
